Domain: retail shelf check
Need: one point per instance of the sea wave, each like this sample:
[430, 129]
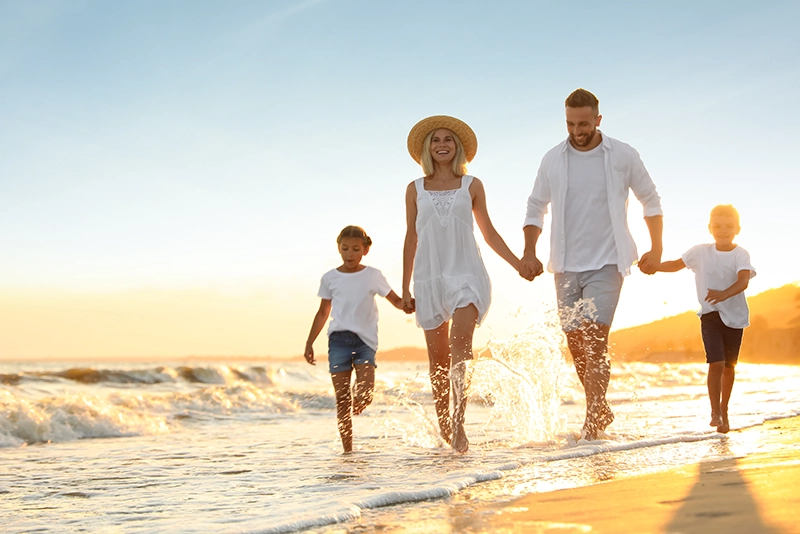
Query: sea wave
[195, 374]
[68, 416]
[451, 485]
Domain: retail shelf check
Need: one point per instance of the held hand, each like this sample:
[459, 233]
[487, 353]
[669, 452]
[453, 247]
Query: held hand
[715, 296]
[650, 262]
[409, 304]
[309, 355]
[530, 267]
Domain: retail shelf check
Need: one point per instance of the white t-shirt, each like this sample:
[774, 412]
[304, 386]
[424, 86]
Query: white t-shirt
[587, 219]
[352, 297]
[715, 269]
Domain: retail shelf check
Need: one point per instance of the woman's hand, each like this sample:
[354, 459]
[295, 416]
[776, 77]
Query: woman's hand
[409, 304]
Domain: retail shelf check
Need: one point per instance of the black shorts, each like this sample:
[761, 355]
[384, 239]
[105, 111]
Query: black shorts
[721, 342]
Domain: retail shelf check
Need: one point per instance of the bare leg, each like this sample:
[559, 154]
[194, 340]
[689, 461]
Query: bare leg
[728, 376]
[464, 320]
[589, 348]
[715, 371]
[363, 387]
[344, 403]
[439, 362]
[576, 343]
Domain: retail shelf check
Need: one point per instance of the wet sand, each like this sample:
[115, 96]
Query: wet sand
[756, 493]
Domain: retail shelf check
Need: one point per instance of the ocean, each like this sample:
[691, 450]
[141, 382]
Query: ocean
[252, 446]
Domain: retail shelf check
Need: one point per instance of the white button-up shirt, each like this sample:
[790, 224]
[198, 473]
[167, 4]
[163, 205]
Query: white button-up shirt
[624, 171]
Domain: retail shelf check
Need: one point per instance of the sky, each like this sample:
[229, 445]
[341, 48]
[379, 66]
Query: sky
[173, 174]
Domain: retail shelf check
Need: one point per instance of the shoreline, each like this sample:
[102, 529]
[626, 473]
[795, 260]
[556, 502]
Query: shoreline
[743, 494]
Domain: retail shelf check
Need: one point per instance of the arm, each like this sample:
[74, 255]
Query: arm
[531, 266]
[650, 261]
[397, 302]
[410, 245]
[316, 327]
[487, 228]
[538, 201]
[671, 266]
[715, 296]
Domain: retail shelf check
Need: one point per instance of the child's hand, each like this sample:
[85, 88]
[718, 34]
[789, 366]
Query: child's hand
[715, 296]
[309, 355]
[650, 261]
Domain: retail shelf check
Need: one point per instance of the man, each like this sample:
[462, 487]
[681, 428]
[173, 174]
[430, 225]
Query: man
[586, 178]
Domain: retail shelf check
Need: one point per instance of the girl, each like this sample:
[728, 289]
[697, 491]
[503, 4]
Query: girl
[450, 280]
[347, 293]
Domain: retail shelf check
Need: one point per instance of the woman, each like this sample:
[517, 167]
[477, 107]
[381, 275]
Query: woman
[450, 281]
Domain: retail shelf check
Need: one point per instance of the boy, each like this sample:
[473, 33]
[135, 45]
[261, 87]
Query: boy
[722, 273]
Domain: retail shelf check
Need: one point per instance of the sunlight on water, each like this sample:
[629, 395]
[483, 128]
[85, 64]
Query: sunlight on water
[236, 447]
[516, 381]
[520, 378]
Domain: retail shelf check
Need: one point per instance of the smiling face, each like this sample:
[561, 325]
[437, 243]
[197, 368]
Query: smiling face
[352, 249]
[582, 126]
[443, 146]
[724, 228]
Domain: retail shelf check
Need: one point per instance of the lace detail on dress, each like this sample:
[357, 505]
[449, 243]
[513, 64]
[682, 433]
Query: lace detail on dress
[442, 202]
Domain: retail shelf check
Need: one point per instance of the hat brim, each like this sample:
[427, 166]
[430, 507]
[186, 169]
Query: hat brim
[417, 135]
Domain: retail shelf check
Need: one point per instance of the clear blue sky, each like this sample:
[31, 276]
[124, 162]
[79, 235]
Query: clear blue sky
[223, 145]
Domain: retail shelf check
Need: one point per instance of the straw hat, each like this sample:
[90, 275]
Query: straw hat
[416, 136]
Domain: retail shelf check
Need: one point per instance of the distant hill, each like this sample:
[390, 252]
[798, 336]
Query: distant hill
[772, 337]
[414, 354]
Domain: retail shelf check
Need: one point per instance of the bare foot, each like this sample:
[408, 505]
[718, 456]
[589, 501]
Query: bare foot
[589, 432]
[447, 437]
[605, 418]
[724, 427]
[716, 420]
[460, 442]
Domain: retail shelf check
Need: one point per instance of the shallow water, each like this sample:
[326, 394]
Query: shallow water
[232, 447]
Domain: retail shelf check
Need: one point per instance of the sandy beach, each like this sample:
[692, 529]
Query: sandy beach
[757, 493]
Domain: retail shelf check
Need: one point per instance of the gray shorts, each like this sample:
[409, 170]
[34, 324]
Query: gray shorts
[588, 295]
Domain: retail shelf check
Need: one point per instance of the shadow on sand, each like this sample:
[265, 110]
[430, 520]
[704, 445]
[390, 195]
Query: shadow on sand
[720, 499]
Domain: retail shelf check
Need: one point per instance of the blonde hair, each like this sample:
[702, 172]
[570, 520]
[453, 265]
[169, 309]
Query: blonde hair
[725, 210]
[459, 160]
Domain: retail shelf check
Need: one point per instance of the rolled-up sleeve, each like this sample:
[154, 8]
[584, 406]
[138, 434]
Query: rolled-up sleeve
[538, 200]
[643, 187]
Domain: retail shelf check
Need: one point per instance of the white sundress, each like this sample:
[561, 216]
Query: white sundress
[448, 269]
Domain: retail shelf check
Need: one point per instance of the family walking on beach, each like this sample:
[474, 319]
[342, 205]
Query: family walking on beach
[585, 180]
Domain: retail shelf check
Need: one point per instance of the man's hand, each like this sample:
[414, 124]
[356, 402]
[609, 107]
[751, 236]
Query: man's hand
[650, 261]
[530, 267]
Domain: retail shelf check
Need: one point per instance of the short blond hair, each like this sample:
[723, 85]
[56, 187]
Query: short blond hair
[459, 160]
[725, 210]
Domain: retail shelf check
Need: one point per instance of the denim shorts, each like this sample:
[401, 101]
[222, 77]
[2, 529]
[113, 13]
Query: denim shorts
[721, 342]
[588, 295]
[345, 349]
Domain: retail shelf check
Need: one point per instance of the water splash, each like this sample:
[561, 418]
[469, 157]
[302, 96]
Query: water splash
[520, 377]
